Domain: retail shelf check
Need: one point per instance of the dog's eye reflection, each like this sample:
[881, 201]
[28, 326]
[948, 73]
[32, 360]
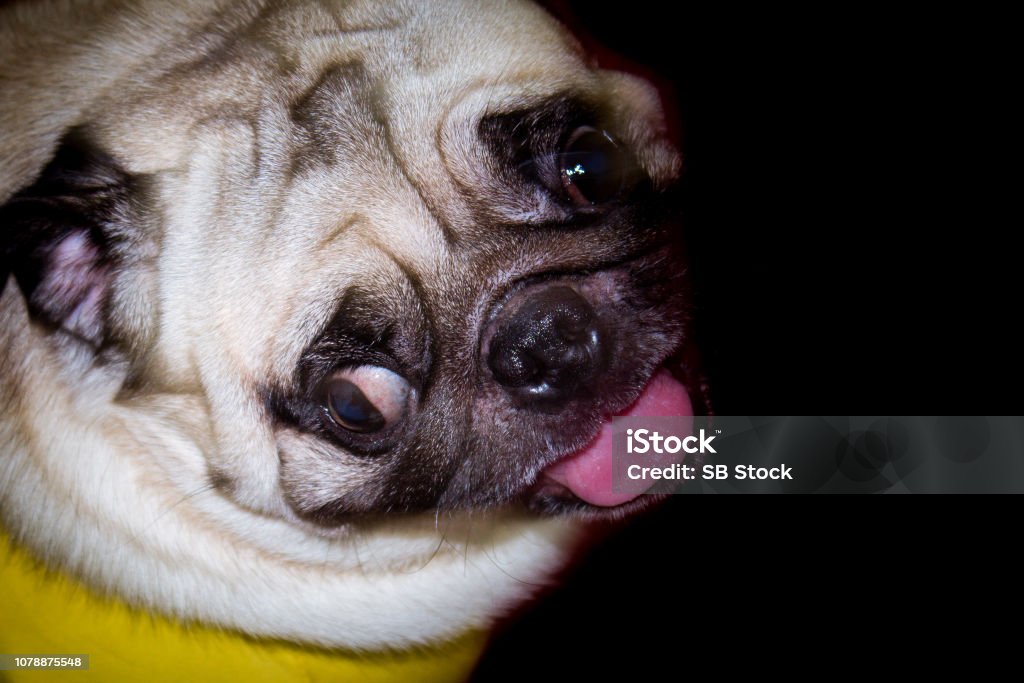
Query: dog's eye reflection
[592, 167]
[366, 399]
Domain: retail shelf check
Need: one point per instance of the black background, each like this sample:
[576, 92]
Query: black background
[846, 259]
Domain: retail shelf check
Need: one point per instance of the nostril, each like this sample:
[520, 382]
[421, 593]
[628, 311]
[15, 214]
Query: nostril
[574, 324]
[549, 346]
[512, 366]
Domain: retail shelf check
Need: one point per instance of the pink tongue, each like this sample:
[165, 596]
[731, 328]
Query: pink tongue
[588, 473]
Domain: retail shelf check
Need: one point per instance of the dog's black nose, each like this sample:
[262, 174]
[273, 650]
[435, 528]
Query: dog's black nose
[548, 348]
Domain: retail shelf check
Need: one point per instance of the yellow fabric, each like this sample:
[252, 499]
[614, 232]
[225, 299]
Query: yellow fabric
[45, 613]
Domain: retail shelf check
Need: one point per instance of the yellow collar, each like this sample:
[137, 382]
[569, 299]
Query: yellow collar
[47, 613]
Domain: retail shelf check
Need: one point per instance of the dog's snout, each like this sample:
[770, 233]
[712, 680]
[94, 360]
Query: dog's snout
[548, 348]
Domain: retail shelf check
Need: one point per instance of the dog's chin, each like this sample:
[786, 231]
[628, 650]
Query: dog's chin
[554, 500]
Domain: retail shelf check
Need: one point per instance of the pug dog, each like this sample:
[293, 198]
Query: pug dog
[315, 312]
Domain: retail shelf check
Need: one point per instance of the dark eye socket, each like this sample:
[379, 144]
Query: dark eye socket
[365, 399]
[593, 168]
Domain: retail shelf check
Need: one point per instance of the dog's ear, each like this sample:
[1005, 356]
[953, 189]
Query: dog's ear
[58, 238]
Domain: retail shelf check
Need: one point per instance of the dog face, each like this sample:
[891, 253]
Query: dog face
[381, 258]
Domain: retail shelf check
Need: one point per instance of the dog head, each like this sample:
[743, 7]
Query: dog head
[399, 257]
[407, 268]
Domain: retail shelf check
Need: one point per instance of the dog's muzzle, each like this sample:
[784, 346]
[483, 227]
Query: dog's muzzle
[548, 347]
[551, 347]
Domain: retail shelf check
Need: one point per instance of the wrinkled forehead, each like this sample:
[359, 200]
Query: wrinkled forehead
[425, 56]
[458, 63]
[445, 53]
[453, 63]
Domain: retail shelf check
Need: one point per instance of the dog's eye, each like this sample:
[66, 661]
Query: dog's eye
[366, 399]
[593, 168]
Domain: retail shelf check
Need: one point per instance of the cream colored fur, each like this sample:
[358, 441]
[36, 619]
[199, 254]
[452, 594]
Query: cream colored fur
[239, 266]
